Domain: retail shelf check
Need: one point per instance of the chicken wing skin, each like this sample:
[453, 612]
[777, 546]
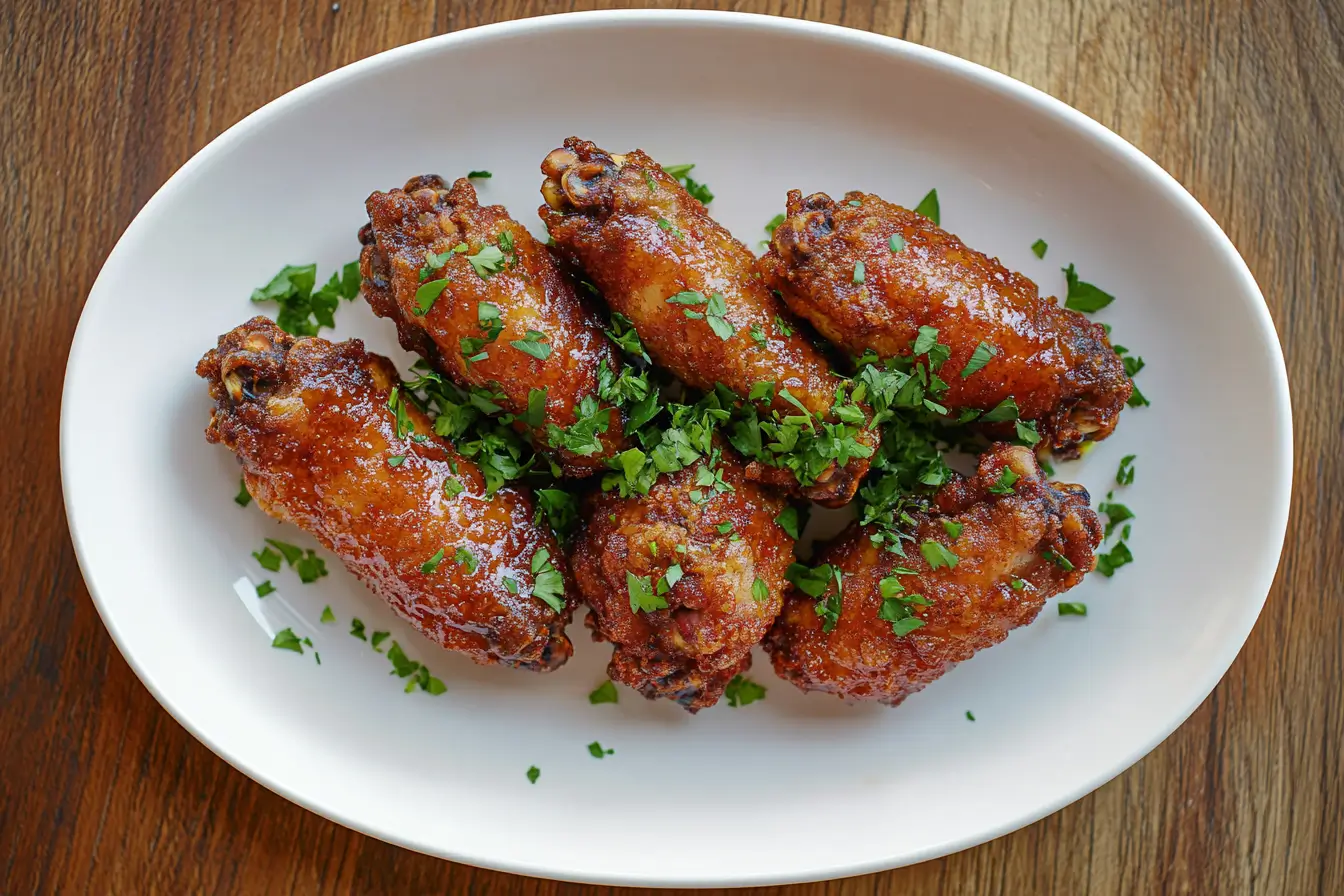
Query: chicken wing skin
[716, 612]
[835, 265]
[1012, 552]
[310, 423]
[660, 259]
[497, 264]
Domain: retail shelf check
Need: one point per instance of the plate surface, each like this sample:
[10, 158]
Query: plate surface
[789, 789]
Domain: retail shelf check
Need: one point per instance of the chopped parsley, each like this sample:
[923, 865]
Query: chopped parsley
[265, 588]
[773, 224]
[510, 584]
[244, 497]
[952, 528]
[268, 559]
[476, 175]
[898, 605]
[417, 673]
[642, 597]
[1039, 248]
[1059, 560]
[790, 521]
[1115, 515]
[815, 582]
[396, 460]
[758, 335]
[1018, 584]
[670, 577]
[1027, 433]
[623, 333]
[285, 639]
[490, 260]
[452, 487]
[1083, 296]
[604, 693]
[970, 716]
[664, 224]
[979, 358]
[696, 189]
[533, 773]
[327, 615]
[859, 274]
[427, 294]
[1004, 484]
[433, 562]
[397, 405]
[357, 629]
[783, 326]
[1125, 475]
[1109, 561]
[533, 344]
[742, 691]
[1072, 608]
[760, 591]
[928, 207]
[595, 750]
[1002, 412]
[896, 243]
[304, 312]
[377, 638]
[465, 557]
[547, 584]
[716, 307]
[937, 555]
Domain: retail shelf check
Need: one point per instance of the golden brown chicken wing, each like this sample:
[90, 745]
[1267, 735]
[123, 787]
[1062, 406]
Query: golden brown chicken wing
[982, 561]
[684, 581]
[695, 296]
[869, 274]
[488, 306]
[321, 448]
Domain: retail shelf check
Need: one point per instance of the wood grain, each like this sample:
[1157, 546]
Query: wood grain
[1243, 101]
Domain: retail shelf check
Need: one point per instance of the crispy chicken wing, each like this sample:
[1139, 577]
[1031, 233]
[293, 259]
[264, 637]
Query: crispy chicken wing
[1010, 553]
[506, 319]
[692, 291]
[713, 561]
[320, 447]
[868, 274]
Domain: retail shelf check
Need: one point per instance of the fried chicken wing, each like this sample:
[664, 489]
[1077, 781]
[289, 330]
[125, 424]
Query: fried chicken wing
[692, 291]
[868, 274]
[320, 447]
[487, 305]
[711, 562]
[981, 563]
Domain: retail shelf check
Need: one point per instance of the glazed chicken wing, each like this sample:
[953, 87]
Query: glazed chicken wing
[684, 581]
[487, 305]
[981, 563]
[320, 447]
[868, 274]
[692, 291]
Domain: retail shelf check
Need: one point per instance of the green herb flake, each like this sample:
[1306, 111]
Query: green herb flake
[742, 691]
[268, 559]
[979, 358]
[479, 175]
[1072, 608]
[859, 274]
[490, 260]
[244, 497]
[928, 207]
[1083, 296]
[1018, 584]
[327, 615]
[1118, 556]
[433, 562]
[265, 588]
[937, 555]
[1039, 248]
[595, 750]
[533, 344]
[1004, 484]
[604, 693]
[760, 591]
[378, 638]
[773, 224]
[510, 584]
[1002, 412]
[789, 520]
[396, 460]
[452, 487]
[533, 773]
[953, 529]
[464, 557]
[642, 598]
[896, 243]
[758, 336]
[1124, 475]
[548, 586]
[428, 294]
[285, 639]
[1027, 433]
[1059, 560]
[357, 629]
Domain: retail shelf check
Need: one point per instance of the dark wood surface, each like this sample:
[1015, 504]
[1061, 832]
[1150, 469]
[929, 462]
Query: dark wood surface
[1243, 101]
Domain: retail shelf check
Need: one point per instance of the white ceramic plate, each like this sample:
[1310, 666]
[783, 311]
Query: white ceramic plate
[789, 789]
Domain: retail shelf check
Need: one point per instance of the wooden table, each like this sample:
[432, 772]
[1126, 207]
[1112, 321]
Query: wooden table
[1243, 101]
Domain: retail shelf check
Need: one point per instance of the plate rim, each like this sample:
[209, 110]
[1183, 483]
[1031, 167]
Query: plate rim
[1004, 85]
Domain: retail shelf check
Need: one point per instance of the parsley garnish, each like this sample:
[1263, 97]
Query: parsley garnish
[433, 562]
[760, 591]
[1059, 560]
[1002, 412]
[357, 629]
[474, 175]
[979, 358]
[896, 243]
[285, 639]
[1017, 584]
[547, 584]
[783, 326]
[697, 190]
[377, 639]
[758, 336]
[1125, 475]
[1072, 608]
[970, 715]
[1004, 484]
[533, 774]
[244, 497]
[327, 615]
[466, 558]
[1083, 296]
[1039, 248]
[858, 273]
[427, 294]
[623, 333]
[1118, 556]
[952, 528]
[773, 224]
[595, 750]
[452, 487]
[396, 460]
[790, 521]
[604, 693]
[815, 582]
[405, 667]
[664, 224]
[533, 344]
[265, 588]
[642, 598]
[510, 584]
[490, 260]
[268, 559]
[397, 406]
[560, 508]
[897, 605]
[1027, 433]
[928, 207]
[304, 312]
[937, 555]
[742, 691]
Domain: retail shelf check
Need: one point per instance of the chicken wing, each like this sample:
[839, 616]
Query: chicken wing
[323, 446]
[869, 274]
[983, 560]
[684, 581]
[488, 306]
[693, 293]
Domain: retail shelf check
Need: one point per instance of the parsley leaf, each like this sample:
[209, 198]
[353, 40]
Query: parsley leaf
[953, 528]
[642, 598]
[474, 175]
[1125, 475]
[548, 586]
[268, 559]
[773, 224]
[896, 243]
[1072, 608]
[1027, 433]
[533, 344]
[285, 639]
[357, 629]
[1004, 484]
[859, 273]
[1109, 561]
[533, 773]
[433, 562]
[1039, 248]
[244, 497]
[979, 358]
[327, 615]
[595, 750]
[760, 591]
[1083, 296]
[466, 558]
[490, 260]
[790, 521]
[928, 207]
[1002, 412]
[604, 693]
[937, 555]
[696, 189]
[427, 294]
[742, 691]
[265, 588]
[1059, 560]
